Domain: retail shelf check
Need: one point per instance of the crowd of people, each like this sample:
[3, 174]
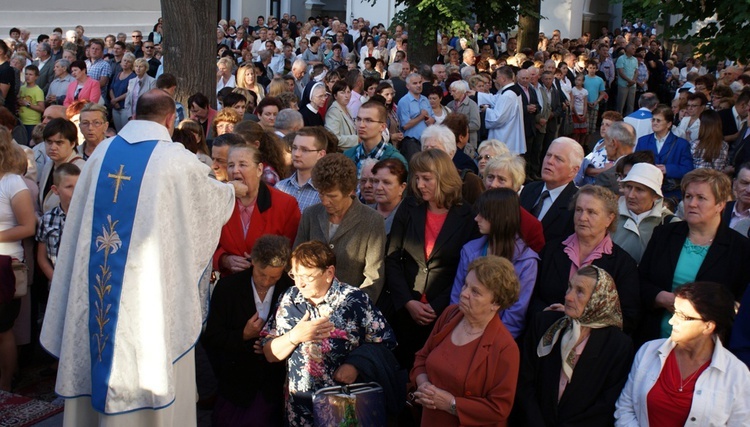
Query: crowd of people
[504, 236]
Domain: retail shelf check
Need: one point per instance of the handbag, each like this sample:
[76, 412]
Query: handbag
[21, 271]
[359, 404]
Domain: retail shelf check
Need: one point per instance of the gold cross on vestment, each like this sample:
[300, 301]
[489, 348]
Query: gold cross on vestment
[118, 177]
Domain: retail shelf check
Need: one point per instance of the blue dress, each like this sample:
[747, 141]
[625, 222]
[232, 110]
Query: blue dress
[121, 86]
[312, 364]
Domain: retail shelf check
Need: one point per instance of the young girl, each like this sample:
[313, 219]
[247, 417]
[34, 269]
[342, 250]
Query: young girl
[580, 106]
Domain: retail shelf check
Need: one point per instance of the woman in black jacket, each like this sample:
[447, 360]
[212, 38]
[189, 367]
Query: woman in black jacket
[424, 250]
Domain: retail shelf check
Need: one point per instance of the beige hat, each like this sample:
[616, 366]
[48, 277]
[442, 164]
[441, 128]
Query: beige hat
[646, 174]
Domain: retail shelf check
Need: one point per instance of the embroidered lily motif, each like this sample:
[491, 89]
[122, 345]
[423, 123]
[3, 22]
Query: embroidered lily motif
[109, 241]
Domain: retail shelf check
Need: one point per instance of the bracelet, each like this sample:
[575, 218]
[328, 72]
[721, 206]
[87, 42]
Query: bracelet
[289, 335]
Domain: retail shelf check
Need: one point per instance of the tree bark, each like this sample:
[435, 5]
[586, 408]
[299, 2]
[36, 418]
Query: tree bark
[189, 46]
[418, 53]
[528, 24]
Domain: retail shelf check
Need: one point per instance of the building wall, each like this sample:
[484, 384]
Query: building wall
[97, 18]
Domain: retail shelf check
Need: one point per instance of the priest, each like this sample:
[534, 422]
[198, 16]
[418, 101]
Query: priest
[129, 293]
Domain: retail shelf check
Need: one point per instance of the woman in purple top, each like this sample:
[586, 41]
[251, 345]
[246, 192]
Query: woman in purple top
[499, 221]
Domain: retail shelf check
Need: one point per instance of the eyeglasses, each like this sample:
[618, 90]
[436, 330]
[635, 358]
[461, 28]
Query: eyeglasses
[684, 318]
[693, 105]
[95, 123]
[304, 150]
[304, 279]
[136, 36]
[485, 157]
[366, 121]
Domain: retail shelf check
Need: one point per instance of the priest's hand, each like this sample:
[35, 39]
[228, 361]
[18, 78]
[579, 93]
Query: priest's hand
[346, 374]
[240, 189]
[252, 327]
[234, 263]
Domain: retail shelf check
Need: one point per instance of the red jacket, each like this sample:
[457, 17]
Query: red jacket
[531, 231]
[275, 213]
[490, 387]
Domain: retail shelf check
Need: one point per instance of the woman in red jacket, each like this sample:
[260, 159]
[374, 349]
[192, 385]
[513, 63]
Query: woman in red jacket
[263, 210]
[466, 373]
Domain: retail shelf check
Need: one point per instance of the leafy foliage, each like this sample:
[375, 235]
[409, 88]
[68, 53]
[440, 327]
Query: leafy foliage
[718, 28]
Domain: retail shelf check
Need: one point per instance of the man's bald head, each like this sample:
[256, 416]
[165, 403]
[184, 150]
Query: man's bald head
[53, 112]
[156, 106]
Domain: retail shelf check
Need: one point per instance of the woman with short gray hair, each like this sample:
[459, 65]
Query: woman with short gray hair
[119, 90]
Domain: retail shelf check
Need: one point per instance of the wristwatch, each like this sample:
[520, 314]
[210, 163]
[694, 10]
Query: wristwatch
[453, 406]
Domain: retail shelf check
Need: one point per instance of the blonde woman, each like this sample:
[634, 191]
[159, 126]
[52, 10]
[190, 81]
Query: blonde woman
[247, 79]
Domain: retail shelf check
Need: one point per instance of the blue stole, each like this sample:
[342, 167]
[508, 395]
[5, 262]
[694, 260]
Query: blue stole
[117, 191]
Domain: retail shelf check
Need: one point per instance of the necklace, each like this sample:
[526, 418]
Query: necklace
[695, 241]
[690, 378]
[466, 329]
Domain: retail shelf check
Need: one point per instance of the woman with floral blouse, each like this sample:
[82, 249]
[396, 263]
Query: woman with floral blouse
[319, 322]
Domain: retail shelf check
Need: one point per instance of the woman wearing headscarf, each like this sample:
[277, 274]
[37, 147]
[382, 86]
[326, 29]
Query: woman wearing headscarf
[689, 378]
[595, 217]
[576, 358]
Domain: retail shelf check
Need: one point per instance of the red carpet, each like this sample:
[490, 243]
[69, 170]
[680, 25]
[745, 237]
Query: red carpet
[20, 411]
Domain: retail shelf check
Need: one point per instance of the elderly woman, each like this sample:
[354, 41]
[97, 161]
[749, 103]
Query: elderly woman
[93, 125]
[262, 210]
[251, 389]
[389, 184]
[17, 222]
[224, 122]
[641, 209]
[118, 90]
[319, 323]
[225, 74]
[582, 340]
[508, 171]
[247, 79]
[499, 222]
[487, 151]
[82, 87]
[672, 154]
[595, 217]
[427, 235]
[454, 386]
[311, 111]
[700, 248]
[141, 84]
[463, 104]
[689, 378]
[338, 120]
[354, 232]
[270, 147]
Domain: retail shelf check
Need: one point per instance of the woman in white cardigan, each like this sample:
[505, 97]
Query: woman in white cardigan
[689, 378]
[338, 119]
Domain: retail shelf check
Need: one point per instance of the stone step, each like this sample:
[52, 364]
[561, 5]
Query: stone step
[97, 23]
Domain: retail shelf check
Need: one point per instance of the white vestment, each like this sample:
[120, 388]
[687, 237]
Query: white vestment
[164, 247]
[504, 118]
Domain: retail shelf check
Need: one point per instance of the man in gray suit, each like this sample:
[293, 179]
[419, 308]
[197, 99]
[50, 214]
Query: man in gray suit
[619, 142]
[46, 66]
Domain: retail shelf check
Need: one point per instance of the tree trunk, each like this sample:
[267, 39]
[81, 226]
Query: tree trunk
[418, 53]
[528, 23]
[189, 46]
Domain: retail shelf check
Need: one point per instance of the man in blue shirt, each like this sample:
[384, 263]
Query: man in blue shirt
[414, 111]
